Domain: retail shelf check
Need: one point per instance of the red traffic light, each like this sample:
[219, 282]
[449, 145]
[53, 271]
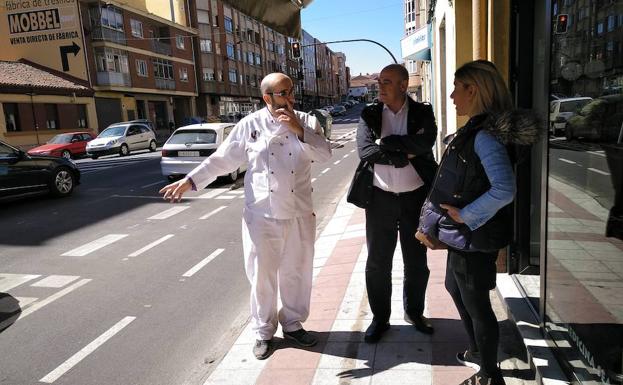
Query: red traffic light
[561, 23]
[296, 50]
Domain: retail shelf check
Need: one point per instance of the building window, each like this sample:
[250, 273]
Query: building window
[110, 17]
[230, 51]
[163, 69]
[250, 55]
[141, 68]
[206, 45]
[233, 76]
[51, 117]
[137, 28]
[111, 60]
[82, 115]
[184, 74]
[219, 75]
[270, 46]
[11, 117]
[258, 59]
[612, 19]
[179, 41]
[229, 25]
[208, 74]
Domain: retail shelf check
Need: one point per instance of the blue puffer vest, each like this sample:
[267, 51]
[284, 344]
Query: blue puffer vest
[461, 179]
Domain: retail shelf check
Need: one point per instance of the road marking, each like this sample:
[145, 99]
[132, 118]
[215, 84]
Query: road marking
[90, 348]
[337, 162]
[352, 151]
[153, 184]
[598, 153]
[56, 281]
[208, 215]
[227, 197]
[345, 156]
[201, 264]
[213, 193]
[38, 305]
[598, 171]
[9, 281]
[325, 170]
[151, 245]
[95, 245]
[566, 160]
[313, 180]
[169, 212]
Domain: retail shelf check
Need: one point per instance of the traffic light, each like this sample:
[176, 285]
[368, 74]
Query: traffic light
[561, 23]
[296, 50]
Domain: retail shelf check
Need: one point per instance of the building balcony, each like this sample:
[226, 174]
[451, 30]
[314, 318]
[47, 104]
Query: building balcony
[165, 84]
[161, 48]
[113, 79]
[107, 34]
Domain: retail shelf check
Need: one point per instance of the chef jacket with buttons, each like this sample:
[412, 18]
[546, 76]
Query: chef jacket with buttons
[277, 182]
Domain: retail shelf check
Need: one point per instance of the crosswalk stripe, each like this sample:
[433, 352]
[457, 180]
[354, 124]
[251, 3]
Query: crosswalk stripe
[325, 170]
[208, 215]
[213, 193]
[94, 245]
[169, 212]
[201, 264]
[226, 197]
[151, 245]
[9, 281]
[84, 352]
[55, 281]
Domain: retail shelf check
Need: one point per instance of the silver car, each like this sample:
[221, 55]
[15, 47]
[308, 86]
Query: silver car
[121, 138]
[188, 146]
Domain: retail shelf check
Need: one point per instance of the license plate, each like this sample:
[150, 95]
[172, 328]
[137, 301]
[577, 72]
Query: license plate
[188, 153]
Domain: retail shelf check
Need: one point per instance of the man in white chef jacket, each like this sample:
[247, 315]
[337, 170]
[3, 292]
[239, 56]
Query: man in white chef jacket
[279, 225]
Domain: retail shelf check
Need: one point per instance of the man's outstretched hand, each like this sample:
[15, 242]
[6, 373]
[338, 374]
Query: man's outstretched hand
[174, 191]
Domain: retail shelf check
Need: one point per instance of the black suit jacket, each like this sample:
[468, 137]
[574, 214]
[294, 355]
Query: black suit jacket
[419, 141]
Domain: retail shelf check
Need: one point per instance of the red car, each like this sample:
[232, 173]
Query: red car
[71, 144]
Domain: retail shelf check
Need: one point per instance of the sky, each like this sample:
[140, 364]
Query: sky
[381, 21]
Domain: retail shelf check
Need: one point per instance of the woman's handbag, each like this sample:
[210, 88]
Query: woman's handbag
[360, 190]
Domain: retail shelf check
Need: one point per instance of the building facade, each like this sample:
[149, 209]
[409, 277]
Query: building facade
[416, 50]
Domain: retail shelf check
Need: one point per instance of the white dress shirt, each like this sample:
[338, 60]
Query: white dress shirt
[388, 177]
[277, 183]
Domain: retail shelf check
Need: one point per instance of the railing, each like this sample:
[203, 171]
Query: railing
[165, 84]
[107, 34]
[113, 79]
[160, 47]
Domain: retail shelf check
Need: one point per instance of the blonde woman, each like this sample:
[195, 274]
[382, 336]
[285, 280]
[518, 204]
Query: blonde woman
[468, 209]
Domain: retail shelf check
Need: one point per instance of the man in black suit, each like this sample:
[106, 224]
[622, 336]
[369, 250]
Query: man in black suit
[396, 136]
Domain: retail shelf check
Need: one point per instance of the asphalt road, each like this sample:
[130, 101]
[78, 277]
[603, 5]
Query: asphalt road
[114, 286]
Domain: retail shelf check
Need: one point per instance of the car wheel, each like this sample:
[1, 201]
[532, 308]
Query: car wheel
[233, 176]
[124, 150]
[62, 182]
[94, 157]
[569, 134]
[66, 154]
[152, 146]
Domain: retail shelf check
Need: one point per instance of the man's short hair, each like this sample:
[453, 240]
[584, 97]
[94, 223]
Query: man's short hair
[399, 69]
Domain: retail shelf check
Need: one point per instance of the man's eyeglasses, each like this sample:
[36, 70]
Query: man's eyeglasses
[283, 93]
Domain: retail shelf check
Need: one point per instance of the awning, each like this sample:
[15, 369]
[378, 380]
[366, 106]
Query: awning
[284, 16]
[417, 45]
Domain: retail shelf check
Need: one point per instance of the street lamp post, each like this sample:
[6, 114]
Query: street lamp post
[34, 116]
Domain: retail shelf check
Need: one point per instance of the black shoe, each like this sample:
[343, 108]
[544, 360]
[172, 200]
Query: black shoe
[484, 379]
[301, 337]
[421, 323]
[375, 331]
[261, 349]
[469, 359]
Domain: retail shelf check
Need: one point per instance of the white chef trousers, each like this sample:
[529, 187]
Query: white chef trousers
[278, 259]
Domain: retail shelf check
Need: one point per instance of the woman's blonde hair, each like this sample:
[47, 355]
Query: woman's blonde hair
[492, 93]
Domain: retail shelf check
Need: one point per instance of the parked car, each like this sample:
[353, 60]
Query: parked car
[190, 145]
[600, 119]
[325, 119]
[121, 138]
[561, 110]
[22, 174]
[69, 145]
[146, 122]
[338, 110]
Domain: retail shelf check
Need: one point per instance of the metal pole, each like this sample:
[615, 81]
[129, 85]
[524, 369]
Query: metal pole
[353, 40]
[316, 76]
[34, 117]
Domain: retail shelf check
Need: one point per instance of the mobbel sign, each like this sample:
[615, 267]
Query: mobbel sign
[34, 21]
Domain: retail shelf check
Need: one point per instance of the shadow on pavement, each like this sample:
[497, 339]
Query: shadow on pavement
[9, 310]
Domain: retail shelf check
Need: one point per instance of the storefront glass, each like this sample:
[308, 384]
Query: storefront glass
[584, 276]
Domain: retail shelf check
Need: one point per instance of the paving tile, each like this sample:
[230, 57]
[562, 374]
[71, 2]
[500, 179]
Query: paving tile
[394, 377]
[233, 376]
[402, 356]
[343, 377]
[349, 355]
[286, 377]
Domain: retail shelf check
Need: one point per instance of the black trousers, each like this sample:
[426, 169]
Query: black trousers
[388, 216]
[469, 278]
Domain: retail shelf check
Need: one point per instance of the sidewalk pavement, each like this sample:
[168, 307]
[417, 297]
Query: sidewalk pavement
[340, 315]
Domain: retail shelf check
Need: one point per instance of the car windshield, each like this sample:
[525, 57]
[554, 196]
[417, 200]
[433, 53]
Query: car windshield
[193, 136]
[61, 139]
[112, 131]
[573, 105]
